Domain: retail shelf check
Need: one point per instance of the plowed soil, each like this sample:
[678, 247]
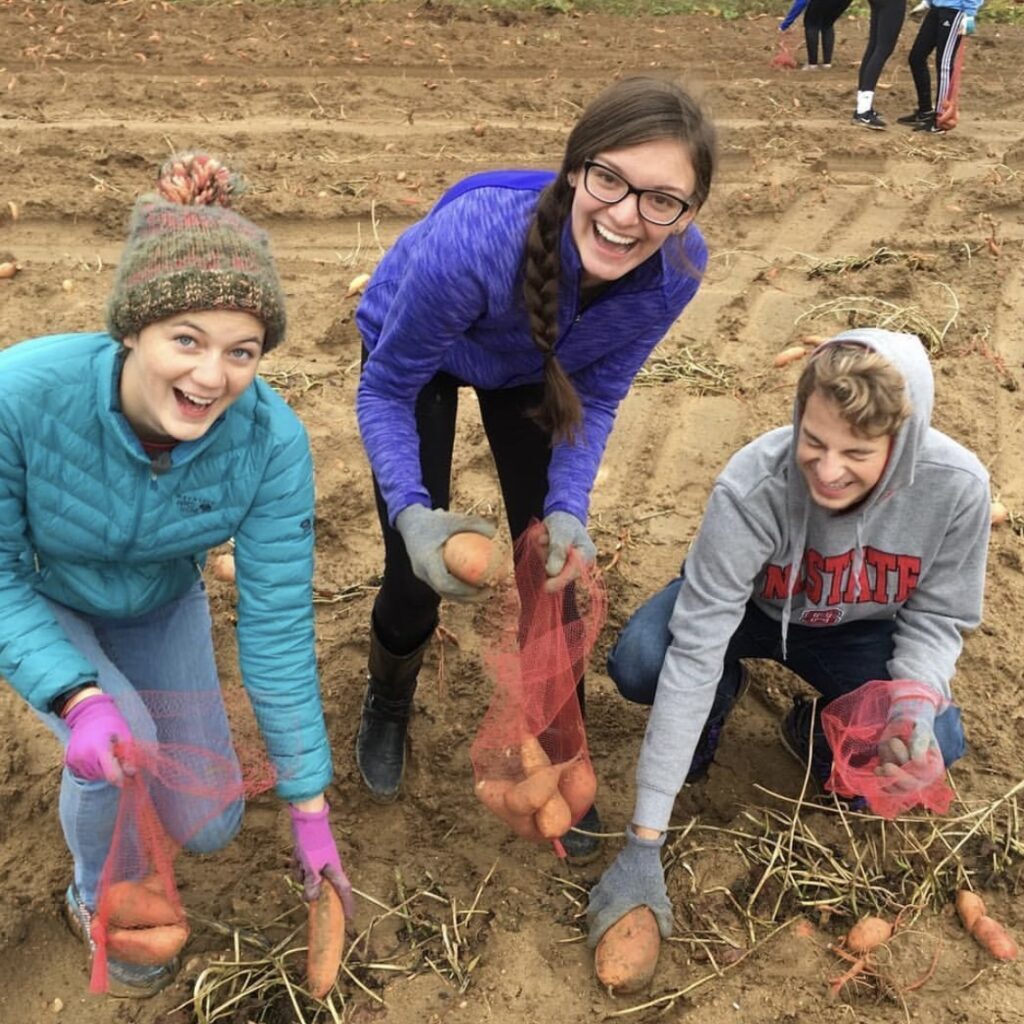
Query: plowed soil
[348, 121]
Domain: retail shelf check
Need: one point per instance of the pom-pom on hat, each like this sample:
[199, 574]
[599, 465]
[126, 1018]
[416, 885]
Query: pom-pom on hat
[187, 250]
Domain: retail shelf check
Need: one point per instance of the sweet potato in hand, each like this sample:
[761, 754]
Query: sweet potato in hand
[326, 940]
[627, 955]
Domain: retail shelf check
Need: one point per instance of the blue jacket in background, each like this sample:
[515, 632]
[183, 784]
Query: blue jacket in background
[87, 522]
[448, 297]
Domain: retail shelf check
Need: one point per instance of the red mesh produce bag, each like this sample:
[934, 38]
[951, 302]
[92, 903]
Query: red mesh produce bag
[139, 917]
[856, 723]
[530, 758]
[783, 58]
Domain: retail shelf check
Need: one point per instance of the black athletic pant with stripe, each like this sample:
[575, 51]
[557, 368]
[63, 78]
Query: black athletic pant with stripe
[883, 32]
[819, 18]
[939, 31]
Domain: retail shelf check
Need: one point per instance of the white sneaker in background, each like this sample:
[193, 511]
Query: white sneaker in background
[920, 10]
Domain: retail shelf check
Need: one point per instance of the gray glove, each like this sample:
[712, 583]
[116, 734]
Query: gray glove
[635, 879]
[425, 531]
[566, 531]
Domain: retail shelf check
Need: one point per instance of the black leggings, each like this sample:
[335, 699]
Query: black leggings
[940, 31]
[405, 611]
[883, 33]
[819, 18]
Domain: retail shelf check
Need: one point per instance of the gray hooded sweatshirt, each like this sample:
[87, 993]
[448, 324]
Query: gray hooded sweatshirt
[913, 550]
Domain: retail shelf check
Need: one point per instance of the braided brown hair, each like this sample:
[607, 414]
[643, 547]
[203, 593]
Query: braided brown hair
[628, 113]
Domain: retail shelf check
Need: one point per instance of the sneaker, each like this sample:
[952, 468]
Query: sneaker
[917, 117]
[870, 119]
[579, 848]
[929, 125]
[920, 10]
[704, 755]
[795, 737]
[133, 981]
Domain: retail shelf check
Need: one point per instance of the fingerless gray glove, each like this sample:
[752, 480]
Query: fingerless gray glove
[635, 879]
[425, 531]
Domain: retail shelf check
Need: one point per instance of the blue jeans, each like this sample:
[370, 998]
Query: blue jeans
[160, 670]
[834, 660]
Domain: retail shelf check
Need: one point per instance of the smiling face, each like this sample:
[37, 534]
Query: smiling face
[181, 373]
[840, 466]
[613, 239]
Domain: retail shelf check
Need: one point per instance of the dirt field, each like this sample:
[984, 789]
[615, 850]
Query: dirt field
[349, 121]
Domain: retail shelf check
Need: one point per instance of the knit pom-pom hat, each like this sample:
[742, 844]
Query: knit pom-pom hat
[187, 251]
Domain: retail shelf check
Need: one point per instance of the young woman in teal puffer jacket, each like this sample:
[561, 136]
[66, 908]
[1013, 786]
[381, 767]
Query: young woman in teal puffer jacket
[124, 457]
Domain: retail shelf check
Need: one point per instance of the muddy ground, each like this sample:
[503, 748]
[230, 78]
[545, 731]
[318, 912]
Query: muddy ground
[349, 120]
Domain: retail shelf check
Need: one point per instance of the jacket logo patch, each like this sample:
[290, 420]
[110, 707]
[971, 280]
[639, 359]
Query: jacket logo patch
[191, 505]
[821, 616]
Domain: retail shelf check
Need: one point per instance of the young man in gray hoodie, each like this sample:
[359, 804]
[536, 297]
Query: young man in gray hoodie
[850, 546]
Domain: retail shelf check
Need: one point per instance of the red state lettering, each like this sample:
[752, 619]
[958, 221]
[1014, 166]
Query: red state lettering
[908, 569]
[776, 583]
[812, 580]
[836, 565]
[883, 562]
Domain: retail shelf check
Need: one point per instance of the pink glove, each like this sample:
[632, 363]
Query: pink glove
[96, 725]
[316, 856]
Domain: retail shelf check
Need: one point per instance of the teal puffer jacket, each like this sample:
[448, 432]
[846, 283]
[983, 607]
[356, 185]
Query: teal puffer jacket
[87, 520]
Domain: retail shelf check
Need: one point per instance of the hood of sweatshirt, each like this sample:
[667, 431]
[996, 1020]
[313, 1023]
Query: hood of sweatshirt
[907, 353]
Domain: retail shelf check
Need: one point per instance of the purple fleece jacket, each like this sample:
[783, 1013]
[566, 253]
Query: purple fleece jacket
[448, 297]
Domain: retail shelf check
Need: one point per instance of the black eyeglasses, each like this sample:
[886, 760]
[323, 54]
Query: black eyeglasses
[610, 187]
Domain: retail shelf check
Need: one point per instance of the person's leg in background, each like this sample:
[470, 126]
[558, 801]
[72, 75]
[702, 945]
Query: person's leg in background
[812, 31]
[948, 40]
[884, 30]
[924, 42]
[832, 12]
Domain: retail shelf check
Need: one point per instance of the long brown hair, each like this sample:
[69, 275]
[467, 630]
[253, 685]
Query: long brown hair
[630, 112]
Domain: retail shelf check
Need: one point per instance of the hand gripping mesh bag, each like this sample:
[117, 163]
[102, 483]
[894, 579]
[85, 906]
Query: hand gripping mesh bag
[857, 724]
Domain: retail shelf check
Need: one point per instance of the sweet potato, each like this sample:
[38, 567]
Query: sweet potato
[326, 941]
[578, 786]
[530, 795]
[137, 904]
[789, 355]
[627, 954]
[149, 947]
[554, 818]
[533, 755]
[994, 938]
[472, 558]
[491, 793]
[868, 934]
[970, 906]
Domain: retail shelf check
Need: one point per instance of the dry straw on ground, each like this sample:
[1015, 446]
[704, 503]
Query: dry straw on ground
[260, 980]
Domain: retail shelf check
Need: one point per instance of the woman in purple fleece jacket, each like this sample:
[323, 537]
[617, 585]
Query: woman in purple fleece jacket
[545, 293]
